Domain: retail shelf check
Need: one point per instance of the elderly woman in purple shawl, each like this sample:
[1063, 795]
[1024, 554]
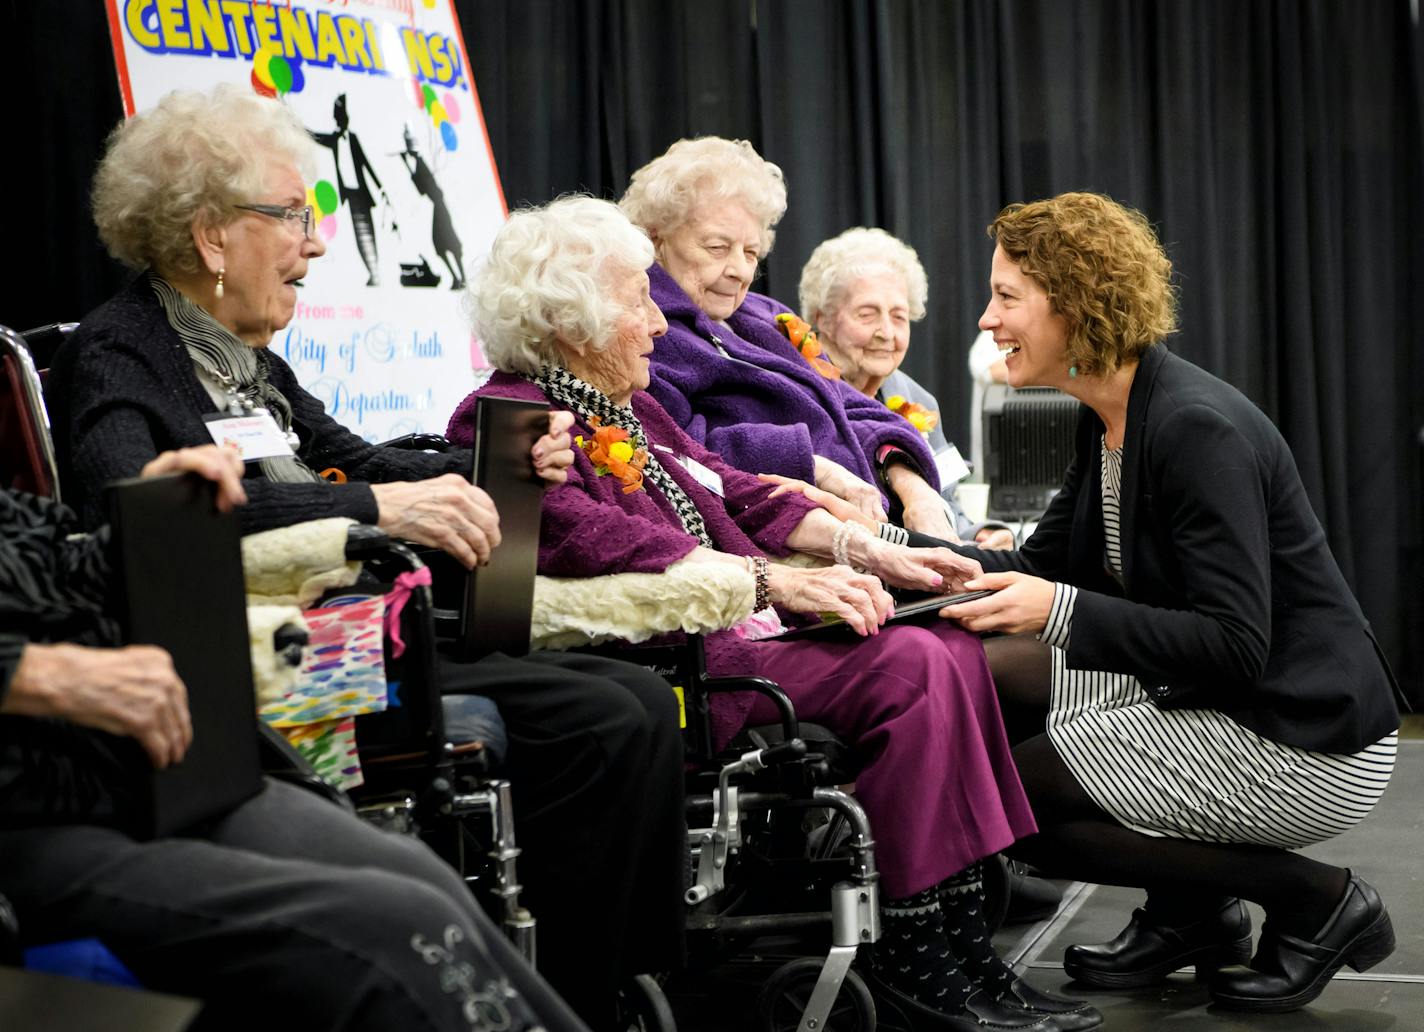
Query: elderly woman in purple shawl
[725, 371]
[562, 308]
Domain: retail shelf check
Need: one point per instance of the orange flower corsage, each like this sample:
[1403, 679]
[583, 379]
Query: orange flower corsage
[611, 451]
[803, 339]
[921, 418]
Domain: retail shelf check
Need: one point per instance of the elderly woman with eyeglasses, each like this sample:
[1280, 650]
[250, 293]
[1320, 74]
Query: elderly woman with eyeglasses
[728, 371]
[563, 310]
[205, 194]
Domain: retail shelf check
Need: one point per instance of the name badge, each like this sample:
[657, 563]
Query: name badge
[709, 479]
[951, 466]
[255, 434]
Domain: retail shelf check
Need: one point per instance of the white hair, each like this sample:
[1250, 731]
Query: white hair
[663, 193]
[836, 264]
[547, 279]
[191, 153]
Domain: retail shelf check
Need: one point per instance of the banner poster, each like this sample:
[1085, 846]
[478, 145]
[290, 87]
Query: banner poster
[405, 194]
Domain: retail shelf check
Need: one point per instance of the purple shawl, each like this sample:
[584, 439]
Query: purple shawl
[591, 527]
[764, 409]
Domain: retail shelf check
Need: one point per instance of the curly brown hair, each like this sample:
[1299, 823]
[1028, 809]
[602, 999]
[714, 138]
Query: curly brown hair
[1104, 271]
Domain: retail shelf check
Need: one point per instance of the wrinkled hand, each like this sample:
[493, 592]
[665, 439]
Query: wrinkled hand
[553, 453]
[923, 569]
[223, 466]
[1020, 604]
[856, 598]
[445, 512]
[835, 479]
[835, 505]
[928, 515]
[133, 691]
[998, 538]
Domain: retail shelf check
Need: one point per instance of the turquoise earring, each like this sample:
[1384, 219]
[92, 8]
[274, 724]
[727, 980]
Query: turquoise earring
[1072, 371]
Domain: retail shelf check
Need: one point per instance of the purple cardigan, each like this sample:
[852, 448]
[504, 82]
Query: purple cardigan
[764, 409]
[591, 527]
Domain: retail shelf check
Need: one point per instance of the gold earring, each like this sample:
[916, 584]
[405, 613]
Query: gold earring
[219, 291]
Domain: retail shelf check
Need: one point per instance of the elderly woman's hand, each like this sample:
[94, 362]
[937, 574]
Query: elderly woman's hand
[133, 691]
[998, 538]
[553, 453]
[856, 598]
[1020, 604]
[835, 479]
[836, 506]
[922, 569]
[223, 466]
[445, 512]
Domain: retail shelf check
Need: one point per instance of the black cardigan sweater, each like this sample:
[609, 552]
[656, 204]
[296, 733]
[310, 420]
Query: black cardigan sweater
[123, 388]
[1230, 597]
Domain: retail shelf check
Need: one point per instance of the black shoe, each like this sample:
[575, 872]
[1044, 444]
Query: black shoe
[1068, 1015]
[980, 1013]
[1288, 972]
[1030, 898]
[1146, 952]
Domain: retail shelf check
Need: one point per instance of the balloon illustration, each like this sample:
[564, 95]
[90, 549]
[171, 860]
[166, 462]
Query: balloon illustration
[274, 75]
[324, 200]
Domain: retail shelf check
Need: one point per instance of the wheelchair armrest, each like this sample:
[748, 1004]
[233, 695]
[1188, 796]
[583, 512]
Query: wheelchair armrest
[418, 442]
[790, 729]
[364, 541]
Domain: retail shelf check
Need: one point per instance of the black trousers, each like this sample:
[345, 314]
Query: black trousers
[596, 763]
[289, 914]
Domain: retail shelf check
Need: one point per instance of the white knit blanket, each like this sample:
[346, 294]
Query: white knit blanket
[294, 565]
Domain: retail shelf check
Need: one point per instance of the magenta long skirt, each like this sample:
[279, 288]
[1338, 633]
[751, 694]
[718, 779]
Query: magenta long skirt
[917, 702]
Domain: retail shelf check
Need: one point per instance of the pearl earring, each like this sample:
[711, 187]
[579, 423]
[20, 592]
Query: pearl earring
[219, 290]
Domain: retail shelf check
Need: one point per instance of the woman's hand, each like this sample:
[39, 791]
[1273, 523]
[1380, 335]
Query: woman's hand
[835, 479]
[445, 512]
[923, 569]
[1020, 604]
[999, 538]
[856, 598]
[553, 453]
[133, 691]
[835, 505]
[924, 510]
[223, 466]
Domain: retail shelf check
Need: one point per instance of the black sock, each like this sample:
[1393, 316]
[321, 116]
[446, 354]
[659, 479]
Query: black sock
[912, 954]
[961, 898]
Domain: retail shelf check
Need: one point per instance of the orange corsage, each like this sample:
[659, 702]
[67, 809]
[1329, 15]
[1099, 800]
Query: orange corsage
[921, 418]
[611, 451]
[803, 339]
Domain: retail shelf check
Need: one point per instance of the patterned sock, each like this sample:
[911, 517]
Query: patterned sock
[913, 956]
[961, 898]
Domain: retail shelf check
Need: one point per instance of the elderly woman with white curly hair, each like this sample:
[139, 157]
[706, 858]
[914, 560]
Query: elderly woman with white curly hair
[205, 195]
[860, 291]
[563, 309]
[735, 370]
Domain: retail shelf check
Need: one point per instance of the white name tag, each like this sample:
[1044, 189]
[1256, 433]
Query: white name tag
[951, 466]
[704, 476]
[256, 434]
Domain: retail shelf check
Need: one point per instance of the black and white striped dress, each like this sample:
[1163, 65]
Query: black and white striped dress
[1195, 773]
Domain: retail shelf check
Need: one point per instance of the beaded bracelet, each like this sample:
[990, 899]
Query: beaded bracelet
[758, 568]
[840, 544]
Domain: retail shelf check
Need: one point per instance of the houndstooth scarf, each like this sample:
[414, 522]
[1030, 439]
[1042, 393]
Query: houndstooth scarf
[587, 401]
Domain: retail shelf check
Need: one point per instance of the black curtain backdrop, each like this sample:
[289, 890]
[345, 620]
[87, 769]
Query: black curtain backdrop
[1275, 145]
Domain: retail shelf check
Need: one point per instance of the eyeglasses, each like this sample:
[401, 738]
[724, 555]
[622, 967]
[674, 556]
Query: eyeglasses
[287, 215]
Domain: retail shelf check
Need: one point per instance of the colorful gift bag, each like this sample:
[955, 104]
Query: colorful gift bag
[330, 747]
[343, 671]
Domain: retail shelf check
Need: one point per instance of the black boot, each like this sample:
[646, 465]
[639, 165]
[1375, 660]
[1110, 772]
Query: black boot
[1288, 972]
[1148, 950]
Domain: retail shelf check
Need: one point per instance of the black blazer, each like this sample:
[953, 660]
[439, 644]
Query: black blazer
[1229, 598]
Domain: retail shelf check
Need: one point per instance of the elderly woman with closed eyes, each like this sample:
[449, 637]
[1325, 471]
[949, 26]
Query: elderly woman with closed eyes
[563, 309]
[728, 374]
[861, 290]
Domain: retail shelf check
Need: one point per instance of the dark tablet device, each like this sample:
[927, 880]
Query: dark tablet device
[903, 611]
[178, 562]
[495, 612]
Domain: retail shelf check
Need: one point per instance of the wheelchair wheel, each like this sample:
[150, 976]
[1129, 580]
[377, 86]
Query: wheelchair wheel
[644, 1006]
[783, 1000]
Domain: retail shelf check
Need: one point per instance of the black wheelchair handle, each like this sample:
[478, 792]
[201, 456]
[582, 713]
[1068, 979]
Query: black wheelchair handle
[784, 753]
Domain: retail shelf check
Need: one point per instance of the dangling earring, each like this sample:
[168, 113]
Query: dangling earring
[1072, 369]
[219, 291]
